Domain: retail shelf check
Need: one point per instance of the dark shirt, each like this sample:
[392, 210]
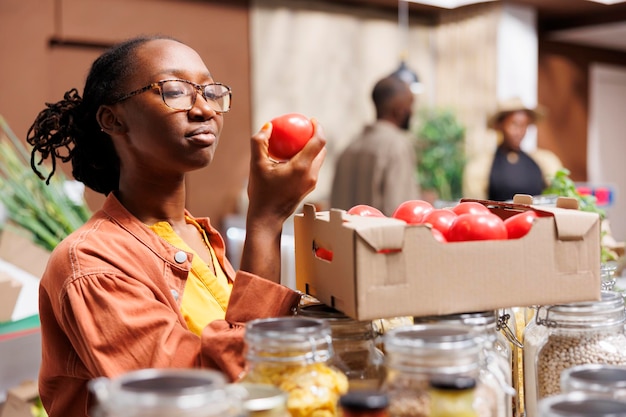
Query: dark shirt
[513, 173]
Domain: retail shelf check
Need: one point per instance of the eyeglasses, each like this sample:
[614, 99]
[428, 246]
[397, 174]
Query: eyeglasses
[181, 94]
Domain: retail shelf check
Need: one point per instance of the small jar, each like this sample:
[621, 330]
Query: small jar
[354, 345]
[295, 354]
[452, 396]
[577, 404]
[417, 354]
[166, 393]
[565, 335]
[496, 354]
[596, 379]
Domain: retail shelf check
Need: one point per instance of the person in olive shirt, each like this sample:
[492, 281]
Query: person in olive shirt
[379, 168]
[509, 170]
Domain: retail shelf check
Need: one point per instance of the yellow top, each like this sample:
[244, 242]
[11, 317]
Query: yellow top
[206, 295]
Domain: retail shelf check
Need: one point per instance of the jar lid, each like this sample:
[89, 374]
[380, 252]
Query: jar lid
[364, 400]
[594, 377]
[580, 405]
[606, 312]
[164, 389]
[452, 382]
[306, 339]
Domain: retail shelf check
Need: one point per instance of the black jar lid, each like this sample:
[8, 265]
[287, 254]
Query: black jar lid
[364, 400]
[452, 382]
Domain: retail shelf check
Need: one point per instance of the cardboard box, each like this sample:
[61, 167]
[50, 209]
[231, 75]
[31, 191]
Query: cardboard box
[558, 261]
[21, 400]
[9, 292]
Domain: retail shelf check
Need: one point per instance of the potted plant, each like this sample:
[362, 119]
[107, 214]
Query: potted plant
[440, 154]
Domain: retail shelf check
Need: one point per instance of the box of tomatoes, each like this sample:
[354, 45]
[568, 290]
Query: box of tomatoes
[373, 266]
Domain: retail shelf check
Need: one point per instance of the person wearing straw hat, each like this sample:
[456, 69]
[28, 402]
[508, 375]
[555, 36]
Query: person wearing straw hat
[509, 170]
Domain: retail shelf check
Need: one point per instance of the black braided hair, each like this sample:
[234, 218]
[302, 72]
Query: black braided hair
[68, 130]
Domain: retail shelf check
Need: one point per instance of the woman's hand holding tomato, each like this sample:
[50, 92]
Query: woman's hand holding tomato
[290, 132]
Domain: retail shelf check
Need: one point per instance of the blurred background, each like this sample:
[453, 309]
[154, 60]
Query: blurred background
[321, 58]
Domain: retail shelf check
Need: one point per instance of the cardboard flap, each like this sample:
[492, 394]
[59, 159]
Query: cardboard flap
[571, 224]
[378, 232]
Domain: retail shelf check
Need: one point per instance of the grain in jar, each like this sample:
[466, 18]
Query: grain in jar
[417, 354]
[294, 354]
[354, 345]
[566, 335]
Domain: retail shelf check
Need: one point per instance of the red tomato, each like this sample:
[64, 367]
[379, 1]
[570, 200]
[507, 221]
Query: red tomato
[469, 207]
[324, 254]
[519, 224]
[413, 211]
[290, 132]
[365, 211]
[439, 237]
[440, 219]
[477, 226]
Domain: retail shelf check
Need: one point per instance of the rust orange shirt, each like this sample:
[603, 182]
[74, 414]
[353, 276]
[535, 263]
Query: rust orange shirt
[110, 302]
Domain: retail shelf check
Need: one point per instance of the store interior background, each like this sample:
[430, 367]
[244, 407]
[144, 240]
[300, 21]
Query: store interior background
[321, 58]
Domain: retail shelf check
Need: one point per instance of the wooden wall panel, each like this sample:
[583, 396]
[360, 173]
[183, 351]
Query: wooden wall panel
[41, 72]
[563, 87]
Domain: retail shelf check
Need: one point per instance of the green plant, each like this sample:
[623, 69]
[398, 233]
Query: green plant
[440, 153]
[562, 185]
[45, 211]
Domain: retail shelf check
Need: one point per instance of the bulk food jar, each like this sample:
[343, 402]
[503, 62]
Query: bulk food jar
[580, 405]
[565, 335]
[295, 354]
[166, 393]
[597, 379]
[354, 345]
[496, 353]
[416, 355]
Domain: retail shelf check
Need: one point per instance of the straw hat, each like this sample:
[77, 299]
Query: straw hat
[512, 105]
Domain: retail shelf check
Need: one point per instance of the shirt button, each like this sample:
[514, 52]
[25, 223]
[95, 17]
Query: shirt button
[180, 257]
[174, 294]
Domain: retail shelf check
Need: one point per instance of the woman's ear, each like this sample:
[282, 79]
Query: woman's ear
[109, 120]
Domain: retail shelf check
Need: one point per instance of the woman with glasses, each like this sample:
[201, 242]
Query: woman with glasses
[145, 284]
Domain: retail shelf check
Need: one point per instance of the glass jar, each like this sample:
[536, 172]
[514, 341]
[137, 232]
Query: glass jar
[596, 379]
[354, 345]
[264, 400]
[577, 404]
[417, 354]
[565, 335]
[496, 354]
[452, 396]
[294, 354]
[166, 393]
[607, 275]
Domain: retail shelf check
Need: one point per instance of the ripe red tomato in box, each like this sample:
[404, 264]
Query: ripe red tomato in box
[477, 226]
[440, 219]
[365, 211]
[469, 207]
[290, 132]
[519, 224]
[412, 211]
